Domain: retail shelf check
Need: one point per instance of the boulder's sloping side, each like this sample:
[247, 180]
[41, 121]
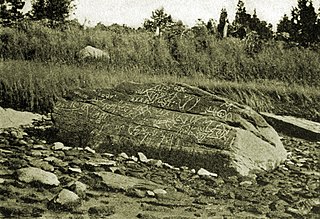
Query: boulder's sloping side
[177, 123]
[295, 127]
[13, 118]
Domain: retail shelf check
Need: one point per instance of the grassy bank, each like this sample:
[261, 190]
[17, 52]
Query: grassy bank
[39, 64]
[189, 54]
[35, 86]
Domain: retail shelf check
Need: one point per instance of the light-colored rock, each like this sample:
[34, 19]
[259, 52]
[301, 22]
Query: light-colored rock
[57, 146]
[107, 155]
[150, 193]
[142, 157]
[159, 191]
[67, 198]
[124, 155]
[204, 172]
[14, 118]
[75, 170]
[295, 127]
[246, 183]
[32, 174]
[93, 53]
[79, 188]
[134, 158]
[67, 148]
[90, 150]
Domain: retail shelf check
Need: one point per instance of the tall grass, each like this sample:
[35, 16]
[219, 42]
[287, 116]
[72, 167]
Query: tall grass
[35, 86]
[40, 64]
[184, 55]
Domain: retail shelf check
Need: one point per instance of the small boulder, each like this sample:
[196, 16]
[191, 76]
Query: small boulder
[160, 193]
[57, 146]
[79, 188]
[124, 156]
[90, 150]
[66, 199]
[90, 52]
[32, 174]
[142, 157]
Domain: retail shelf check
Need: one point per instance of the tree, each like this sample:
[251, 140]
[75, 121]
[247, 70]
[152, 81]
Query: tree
[211, 26]
[159, 20]
[304, 21]
[223, 21]
[10, 11]
[245, 23]
[284, 25]
[56, 11]
[242, 17]
[39, 10]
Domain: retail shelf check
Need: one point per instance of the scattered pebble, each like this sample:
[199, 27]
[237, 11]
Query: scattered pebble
[90, 150]
[57, 146]
[204, 172]
[142, 157]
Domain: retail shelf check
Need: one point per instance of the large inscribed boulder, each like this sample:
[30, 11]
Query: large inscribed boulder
[176, 123]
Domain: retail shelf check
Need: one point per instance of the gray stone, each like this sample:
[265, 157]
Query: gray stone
[124, 155]
[32, 174]
[57, 146]
[90, 150]
[66, 199]
[204, 172]
[75, 170]
[176, 123]
[14, 118]
[295, 127]
[142, 157]
[90, 52]
[158, 192]
[79, 188]
[125, 183]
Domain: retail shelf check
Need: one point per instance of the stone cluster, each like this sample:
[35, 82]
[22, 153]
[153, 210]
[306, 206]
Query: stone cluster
[50, 179]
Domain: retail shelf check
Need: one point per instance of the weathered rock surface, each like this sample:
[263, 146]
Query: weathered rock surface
[117, 182]
[176, 123]
[295, 127]
[13, 118]
[32, 174]
[93, 53]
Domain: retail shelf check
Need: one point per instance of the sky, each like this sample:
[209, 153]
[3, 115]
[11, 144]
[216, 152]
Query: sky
[134, 12]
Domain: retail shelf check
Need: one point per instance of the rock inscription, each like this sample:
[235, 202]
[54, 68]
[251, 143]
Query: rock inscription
[171, 118]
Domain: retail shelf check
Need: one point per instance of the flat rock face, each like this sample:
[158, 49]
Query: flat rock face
[125, 183]
[176, 123]
[293, 126]
[13, 118]
[32, 174]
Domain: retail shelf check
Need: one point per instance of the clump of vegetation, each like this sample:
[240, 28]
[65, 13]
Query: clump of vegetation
[39, 55]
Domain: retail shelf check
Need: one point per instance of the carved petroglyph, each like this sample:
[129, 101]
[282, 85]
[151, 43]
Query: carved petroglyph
[223, 111]
[173, 122]
[165, 96]
[153, 125]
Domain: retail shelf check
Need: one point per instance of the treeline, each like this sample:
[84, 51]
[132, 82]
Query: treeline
[302, 27]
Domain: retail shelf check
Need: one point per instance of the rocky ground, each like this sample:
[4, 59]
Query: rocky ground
[43, 179]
